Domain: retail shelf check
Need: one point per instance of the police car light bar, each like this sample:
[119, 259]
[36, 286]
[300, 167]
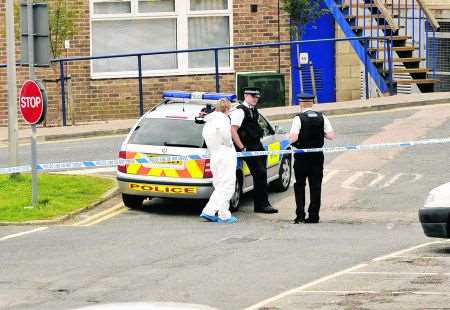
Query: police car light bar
[184, 95]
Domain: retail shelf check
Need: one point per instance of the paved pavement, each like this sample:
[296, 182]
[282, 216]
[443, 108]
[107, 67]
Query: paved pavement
[113, 127]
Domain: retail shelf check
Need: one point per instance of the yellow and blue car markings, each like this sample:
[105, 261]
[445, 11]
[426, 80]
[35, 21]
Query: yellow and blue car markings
[272, 160]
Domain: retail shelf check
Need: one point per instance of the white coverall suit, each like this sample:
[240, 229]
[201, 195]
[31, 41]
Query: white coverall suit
[217, 135]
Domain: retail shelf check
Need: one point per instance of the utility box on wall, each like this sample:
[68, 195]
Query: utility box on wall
[271, 83]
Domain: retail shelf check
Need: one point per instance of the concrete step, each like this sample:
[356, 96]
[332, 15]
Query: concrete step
[399, 60]
[411, 70]
[374, 27]
[368, 16]
[395, 49]
[418, 81]
[400, 38]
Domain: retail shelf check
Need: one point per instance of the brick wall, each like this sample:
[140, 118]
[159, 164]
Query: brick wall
[118, 98]
[348, 70]
[49, 73]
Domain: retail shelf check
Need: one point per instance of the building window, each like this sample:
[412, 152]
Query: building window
[129, 26]
[112, 7]
[208, 31]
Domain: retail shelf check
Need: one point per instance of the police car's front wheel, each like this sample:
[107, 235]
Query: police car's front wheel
[236, 198]
[133, 202]
[284, 175]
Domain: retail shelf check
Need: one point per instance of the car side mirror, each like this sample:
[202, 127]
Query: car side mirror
[199, 120]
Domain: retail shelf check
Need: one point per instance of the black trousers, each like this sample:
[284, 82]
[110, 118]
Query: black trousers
[308, 166]
[258, 169]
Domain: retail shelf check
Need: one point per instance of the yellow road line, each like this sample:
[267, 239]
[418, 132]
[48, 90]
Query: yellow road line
[108, 216]
[100, 215]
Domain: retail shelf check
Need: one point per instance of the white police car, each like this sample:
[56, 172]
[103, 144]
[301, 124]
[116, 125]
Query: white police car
[171, 129]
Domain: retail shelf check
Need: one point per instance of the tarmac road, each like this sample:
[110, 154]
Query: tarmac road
[165, 253]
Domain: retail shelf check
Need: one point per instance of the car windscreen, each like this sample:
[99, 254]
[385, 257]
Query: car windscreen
[168, 132]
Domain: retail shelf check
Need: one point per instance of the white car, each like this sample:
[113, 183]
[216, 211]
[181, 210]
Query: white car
[171, 128]
[435, 214]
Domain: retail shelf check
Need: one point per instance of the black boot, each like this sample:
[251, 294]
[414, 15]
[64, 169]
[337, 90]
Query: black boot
[312, 219]
[267, 209]
[299, 219]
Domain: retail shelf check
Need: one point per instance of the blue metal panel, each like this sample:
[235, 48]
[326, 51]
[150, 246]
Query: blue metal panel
[322, 55]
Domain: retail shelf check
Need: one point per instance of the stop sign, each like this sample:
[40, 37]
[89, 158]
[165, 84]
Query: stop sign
[33, 102]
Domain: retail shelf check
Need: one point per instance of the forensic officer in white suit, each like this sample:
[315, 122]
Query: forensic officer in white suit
[217, 135]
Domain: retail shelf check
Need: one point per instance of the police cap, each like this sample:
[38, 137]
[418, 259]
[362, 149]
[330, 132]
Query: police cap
[305, 96]
[254, 91]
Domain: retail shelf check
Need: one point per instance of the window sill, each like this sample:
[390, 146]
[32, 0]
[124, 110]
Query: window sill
[147, 74]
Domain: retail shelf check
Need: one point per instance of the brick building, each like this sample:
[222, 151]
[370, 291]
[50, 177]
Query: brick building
[108, 89]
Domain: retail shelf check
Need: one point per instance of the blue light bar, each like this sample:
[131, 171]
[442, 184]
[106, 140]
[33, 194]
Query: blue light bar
[183, 95]
[176, 94]
[217, 96]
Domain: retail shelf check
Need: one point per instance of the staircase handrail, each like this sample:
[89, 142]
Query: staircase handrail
[387, 15]
[384, 11]
[431, 19]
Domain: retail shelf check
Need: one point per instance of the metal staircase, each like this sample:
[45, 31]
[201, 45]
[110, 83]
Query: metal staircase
[401, 49]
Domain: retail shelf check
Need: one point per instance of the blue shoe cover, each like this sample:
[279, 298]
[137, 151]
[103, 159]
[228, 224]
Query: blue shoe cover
[210, 218]
[231, 220]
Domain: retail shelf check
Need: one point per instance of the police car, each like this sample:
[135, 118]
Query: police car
[173, 128]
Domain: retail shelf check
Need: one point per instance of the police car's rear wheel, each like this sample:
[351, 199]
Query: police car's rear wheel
[133, 202]
[284, 175]
[236, 198]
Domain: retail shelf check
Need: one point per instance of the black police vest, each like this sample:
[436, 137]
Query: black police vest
[311, 133]
[250, 132]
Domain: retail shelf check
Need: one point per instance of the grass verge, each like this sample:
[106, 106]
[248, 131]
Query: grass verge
[58, 195]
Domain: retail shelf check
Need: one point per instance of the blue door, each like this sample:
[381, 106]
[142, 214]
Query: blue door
[322, 56]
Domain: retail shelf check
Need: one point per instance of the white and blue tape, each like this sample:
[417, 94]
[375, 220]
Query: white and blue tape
[150, 160]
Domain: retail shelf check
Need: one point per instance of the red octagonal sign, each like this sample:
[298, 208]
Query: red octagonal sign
[33, 102]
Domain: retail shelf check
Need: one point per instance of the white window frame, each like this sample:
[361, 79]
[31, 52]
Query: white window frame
[182, 13]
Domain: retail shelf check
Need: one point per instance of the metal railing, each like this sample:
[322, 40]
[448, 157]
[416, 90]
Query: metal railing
[368, 24]
[215, 50]
[410, 18]
[419, 23]
[411, 27]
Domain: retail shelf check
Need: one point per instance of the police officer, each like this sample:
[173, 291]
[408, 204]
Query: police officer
[309, 128]
[247, 133]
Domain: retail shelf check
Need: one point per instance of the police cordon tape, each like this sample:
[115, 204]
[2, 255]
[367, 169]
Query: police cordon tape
[164, 159]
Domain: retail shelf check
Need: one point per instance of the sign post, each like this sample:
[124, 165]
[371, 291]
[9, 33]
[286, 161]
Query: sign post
[33, 106]
[12, 86]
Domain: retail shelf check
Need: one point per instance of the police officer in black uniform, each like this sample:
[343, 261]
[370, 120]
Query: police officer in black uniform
[247, 133]
[309, 128]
